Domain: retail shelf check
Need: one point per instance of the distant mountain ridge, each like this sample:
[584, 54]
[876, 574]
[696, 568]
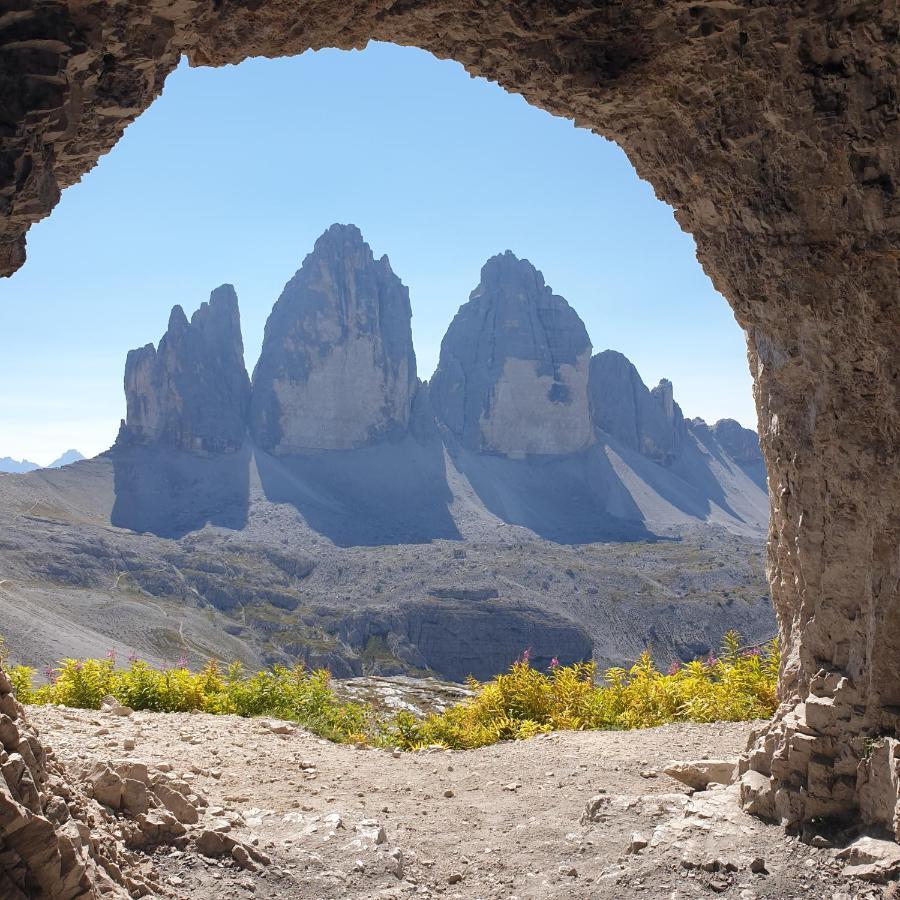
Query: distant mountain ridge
[9, 465]
[573, 446]
[18, 466]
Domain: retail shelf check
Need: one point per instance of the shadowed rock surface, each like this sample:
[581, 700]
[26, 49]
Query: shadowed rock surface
[448, 635]
[512, 374]
[621, 405]
[171, 493]
[191, 393]
[337, 368]
[389, 493]
[742, 445]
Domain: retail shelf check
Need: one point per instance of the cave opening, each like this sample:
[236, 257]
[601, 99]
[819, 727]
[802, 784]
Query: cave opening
[776, 155]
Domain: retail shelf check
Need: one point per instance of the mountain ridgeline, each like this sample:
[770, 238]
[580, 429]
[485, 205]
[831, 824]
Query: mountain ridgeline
[516, 379]
[337, 368]
[20, 466]
[337, 510]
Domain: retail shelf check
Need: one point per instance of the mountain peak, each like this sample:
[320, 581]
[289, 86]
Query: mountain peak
[178, 321]
[66, 459]
[338, 239]
[337, 368]
[191, 392]
[19, 467]
[16, 466]
[506, 270]
[224, 298]
[512, 375]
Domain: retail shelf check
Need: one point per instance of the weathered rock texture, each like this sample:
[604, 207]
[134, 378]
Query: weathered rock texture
[54, 843]
[770, 128]
[337, 368]
[621, 405]
[192, 392]
[447, 634]
[513, 370]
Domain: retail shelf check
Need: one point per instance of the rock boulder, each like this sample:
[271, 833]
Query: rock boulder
[701, 773]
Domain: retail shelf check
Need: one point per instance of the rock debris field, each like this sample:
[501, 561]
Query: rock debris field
[261, 808]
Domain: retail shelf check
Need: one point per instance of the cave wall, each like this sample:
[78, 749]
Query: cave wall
[771, 128]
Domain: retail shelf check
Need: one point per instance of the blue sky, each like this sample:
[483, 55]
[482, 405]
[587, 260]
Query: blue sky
[234, 172]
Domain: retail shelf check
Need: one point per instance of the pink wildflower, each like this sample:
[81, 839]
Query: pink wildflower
[674, 668]
[182, 662]
[554, 663]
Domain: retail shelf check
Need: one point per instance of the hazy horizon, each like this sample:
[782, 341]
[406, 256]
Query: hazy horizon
[232, 175]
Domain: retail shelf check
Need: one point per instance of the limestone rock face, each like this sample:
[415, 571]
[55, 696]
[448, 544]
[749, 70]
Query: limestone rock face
[337, 368]
[192, 392]
[513, 370]
[54, 842]
[648, 421]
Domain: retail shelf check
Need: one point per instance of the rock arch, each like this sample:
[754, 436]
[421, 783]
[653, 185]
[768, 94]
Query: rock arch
[772, 129]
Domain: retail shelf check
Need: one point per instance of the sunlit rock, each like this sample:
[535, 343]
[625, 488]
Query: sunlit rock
[337, 369]
[513, 370]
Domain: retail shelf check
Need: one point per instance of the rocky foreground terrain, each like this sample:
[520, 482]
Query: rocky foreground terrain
[219, 808]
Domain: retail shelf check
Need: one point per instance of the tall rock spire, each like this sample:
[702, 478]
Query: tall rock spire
[191, 392]
[513, 370]
[337, 368]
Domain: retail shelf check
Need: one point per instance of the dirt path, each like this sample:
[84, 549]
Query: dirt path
[501, 822]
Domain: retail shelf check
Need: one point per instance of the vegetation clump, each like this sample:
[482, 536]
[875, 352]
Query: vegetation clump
[296, 694]
[737, 685]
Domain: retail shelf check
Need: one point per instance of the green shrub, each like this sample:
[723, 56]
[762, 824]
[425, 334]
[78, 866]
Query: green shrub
[22, 678]
[524, 702]
[740, 685]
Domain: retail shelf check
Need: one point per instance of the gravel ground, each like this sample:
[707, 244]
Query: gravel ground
[500, 822]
